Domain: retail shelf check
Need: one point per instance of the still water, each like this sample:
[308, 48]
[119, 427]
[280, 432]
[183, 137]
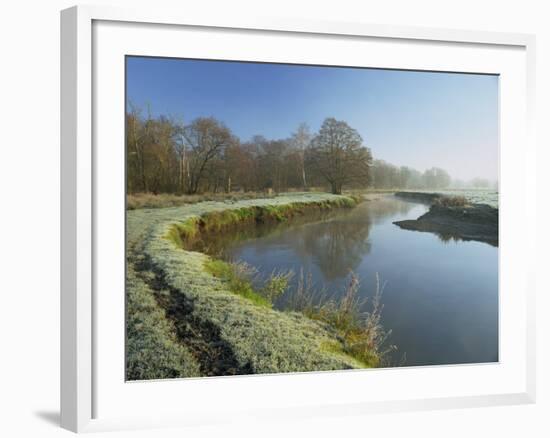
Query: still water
[440, 298]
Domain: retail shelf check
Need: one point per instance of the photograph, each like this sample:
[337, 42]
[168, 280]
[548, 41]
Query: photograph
[289, 218]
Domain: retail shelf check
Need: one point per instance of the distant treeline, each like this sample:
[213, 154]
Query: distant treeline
[165, 155]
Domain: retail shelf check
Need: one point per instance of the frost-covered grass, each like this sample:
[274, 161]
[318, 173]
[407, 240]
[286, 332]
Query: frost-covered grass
[473, 196]
[163, 200]
[152, 349]
[244, 334]
[466, 196]
[238, 277]
[186, 232]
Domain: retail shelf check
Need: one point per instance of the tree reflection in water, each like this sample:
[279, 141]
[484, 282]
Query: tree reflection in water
[335, 242]
[336, 246]
[426, 285]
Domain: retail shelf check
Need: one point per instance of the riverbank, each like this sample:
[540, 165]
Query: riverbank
[184, 321]
[453, 218]
[422, 197]
[473, 196]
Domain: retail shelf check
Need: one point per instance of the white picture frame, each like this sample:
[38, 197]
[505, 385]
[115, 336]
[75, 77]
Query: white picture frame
[86, 380]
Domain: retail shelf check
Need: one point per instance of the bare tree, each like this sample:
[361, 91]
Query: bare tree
[161, 158]
[301, 140]
[138, 133]
[180, 147]
[207, 138]
[166, 156]
[274, 164]
[436, 178]
[338, 155]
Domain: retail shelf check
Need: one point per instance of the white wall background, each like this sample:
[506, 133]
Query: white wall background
[29, 215]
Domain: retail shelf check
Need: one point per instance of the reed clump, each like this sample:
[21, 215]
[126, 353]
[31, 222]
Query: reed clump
[244, 280]
[360, 332]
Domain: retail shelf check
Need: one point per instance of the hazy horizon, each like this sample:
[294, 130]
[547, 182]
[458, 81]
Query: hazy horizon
[407, 118]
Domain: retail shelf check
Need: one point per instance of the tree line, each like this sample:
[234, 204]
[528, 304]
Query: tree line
[166, 155]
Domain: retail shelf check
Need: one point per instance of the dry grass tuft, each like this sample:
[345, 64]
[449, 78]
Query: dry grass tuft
[451, 201]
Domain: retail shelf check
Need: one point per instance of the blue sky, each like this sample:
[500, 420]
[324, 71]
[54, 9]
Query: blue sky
[418, 119]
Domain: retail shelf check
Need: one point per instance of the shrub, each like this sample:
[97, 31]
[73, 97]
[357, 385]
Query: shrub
[451, 201]
[276, 285]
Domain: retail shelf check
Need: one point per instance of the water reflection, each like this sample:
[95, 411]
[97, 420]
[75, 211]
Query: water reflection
[440, 300]
[334, 242]
[335, 247]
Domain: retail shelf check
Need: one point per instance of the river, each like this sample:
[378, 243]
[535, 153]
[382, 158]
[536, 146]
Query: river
[440, 297]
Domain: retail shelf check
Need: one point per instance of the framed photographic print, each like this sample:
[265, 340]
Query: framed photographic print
[261, 208]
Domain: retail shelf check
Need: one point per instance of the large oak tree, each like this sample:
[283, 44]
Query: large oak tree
[338, 155]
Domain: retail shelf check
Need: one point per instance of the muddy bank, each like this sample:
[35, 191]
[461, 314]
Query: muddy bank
[202, 233]
[469, 222]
